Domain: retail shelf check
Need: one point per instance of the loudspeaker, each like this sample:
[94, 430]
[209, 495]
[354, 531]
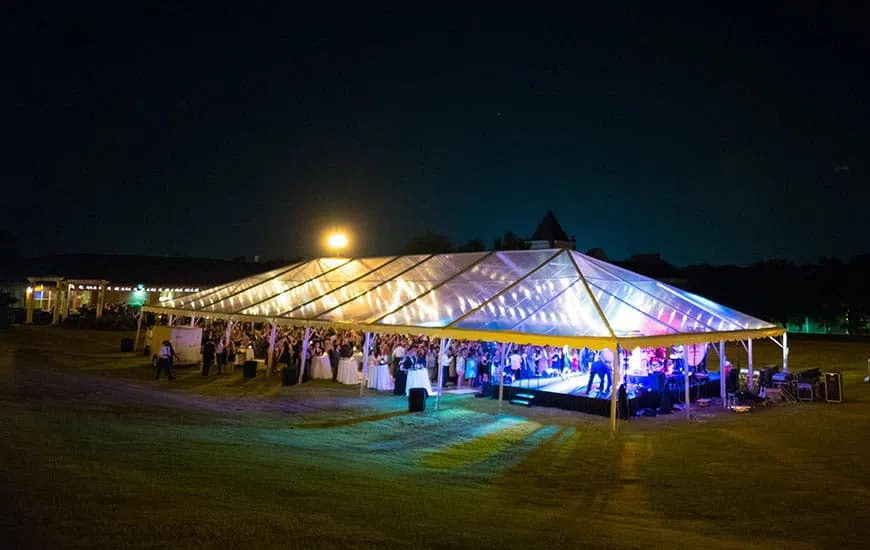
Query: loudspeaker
[416, 400]
[250, 369]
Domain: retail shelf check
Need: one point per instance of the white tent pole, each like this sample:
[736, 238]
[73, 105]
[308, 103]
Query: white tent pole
[686, 379]
[365, 373]
[304, 352]
[138, 329]
[229, 333]
[500, 371]
[785, 352]
[171, 319]
[750, 383]
[722, 388]
[614, 373]
[440, 373]
[192, 321]
[270, 361]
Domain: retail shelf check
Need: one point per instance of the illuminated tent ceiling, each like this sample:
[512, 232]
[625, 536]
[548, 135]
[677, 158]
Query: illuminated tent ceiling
[542, 297]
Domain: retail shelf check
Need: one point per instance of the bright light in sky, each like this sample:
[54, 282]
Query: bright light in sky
[336, 241]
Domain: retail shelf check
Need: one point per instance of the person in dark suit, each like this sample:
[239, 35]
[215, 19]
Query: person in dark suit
[334, 358]
[402, 372]
[346, 350]
[208, 352]
[601, 369]
[164, 360]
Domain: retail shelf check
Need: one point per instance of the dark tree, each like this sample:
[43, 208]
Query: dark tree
[598, 254]
[428, 243]
[474, 245]
[509, 241]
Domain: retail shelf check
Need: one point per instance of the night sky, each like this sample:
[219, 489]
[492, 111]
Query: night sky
[705, 136]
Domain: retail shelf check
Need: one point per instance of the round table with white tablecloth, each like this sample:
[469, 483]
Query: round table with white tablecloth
[348, 370]
[379, 378]
[418, 378]
[320, 368]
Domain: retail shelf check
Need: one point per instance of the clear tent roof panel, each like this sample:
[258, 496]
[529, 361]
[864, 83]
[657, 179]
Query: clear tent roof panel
[524, 298]
[675, 313]
[592, 271]
[613, 270]
[276, 286]
[237, 287]
[197, 299]
[707, 315]
[468, 289]
[410, 285]
[208, 296]
[571, 313]
[316, 287]
[626, 320]
[356, 288]
[741, 319]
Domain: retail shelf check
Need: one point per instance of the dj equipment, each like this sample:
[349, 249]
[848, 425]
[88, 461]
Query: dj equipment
[657, 381]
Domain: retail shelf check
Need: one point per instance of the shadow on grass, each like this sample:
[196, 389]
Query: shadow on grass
[342, 422]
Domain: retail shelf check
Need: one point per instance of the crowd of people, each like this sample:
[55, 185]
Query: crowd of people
[464, 363]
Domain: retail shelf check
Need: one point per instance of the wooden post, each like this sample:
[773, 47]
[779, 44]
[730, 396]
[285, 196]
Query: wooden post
[138, 329]
[101, 298]
[365, 374]
[55, 307]
[67, 305]
[28, 306]
[304, 353]
[785, 352]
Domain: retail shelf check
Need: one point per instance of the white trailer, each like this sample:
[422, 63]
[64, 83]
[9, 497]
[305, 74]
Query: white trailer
[187, 342]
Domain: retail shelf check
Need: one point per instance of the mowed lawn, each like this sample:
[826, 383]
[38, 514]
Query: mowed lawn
[97, 454]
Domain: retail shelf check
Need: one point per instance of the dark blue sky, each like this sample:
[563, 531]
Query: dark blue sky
[703, 135]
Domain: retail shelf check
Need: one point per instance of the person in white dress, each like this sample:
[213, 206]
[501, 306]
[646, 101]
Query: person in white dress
[444, 364]
[516, 363]
[460, 367]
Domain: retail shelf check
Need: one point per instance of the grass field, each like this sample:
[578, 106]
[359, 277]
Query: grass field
[97, 454]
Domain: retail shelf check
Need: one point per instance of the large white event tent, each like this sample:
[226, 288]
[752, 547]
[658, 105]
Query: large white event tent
[542, 297]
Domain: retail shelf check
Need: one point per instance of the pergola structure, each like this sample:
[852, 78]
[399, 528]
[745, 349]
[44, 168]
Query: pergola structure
[61, 290]
[540, 297]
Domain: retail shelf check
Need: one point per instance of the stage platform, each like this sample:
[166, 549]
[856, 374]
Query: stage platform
[570, 394]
